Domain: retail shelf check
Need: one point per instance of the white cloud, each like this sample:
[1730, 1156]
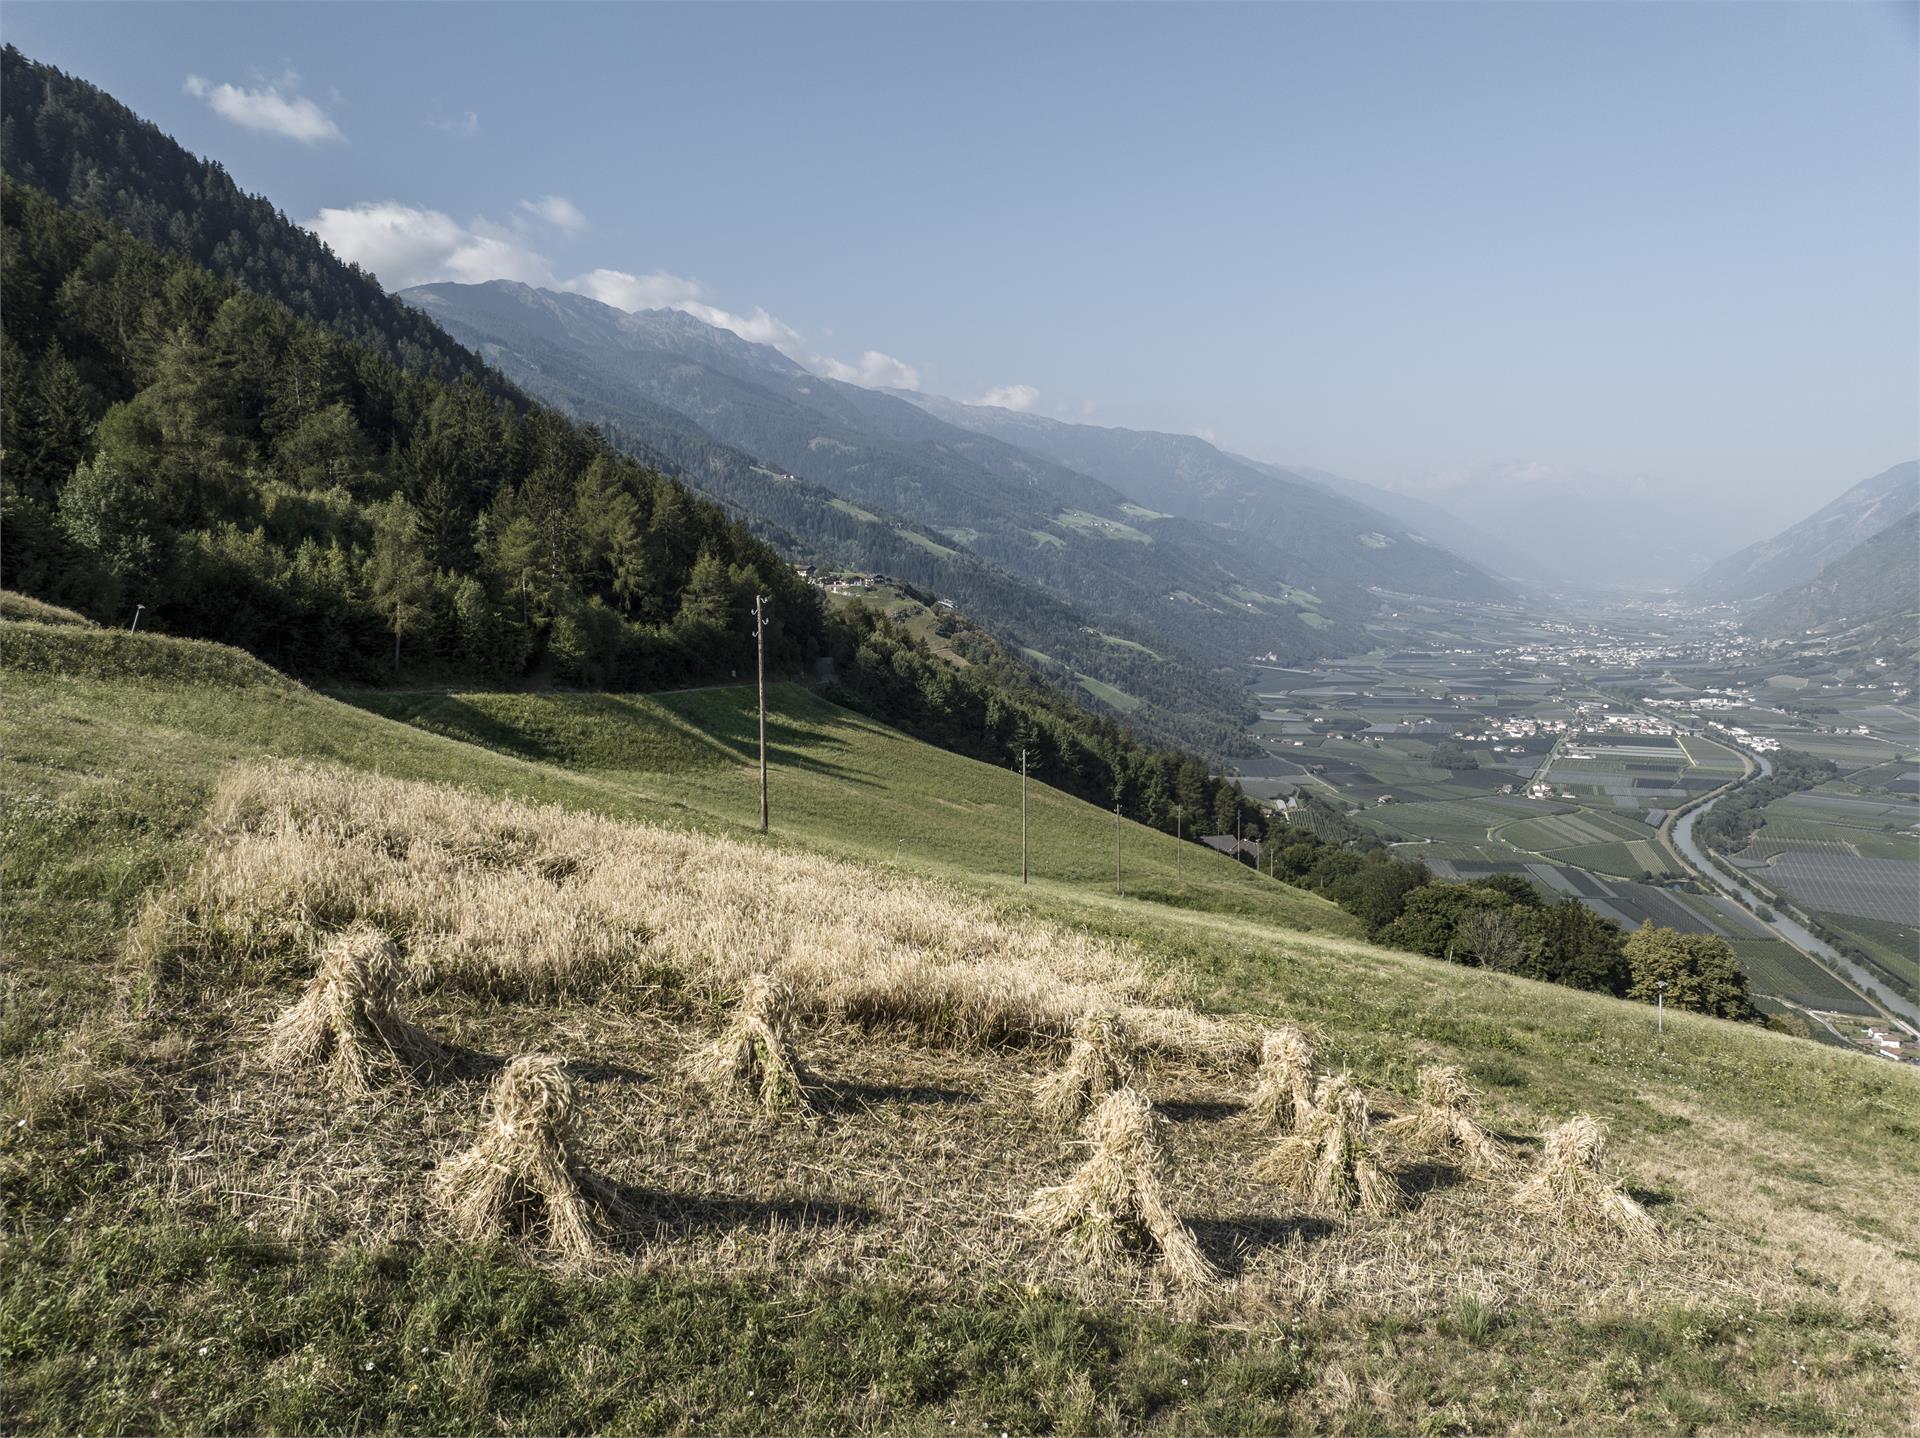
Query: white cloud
[663, 291]
[275, 107]
[875, 370]
[462, 126]
[557, 211]
[657, 291]
[1021, 397]
[406, 245]
[411, 245]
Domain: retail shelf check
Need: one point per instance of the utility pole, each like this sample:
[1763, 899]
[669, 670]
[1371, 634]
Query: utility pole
[760, 665]
[1116, 846]
[1023, 815]
[1178, 814]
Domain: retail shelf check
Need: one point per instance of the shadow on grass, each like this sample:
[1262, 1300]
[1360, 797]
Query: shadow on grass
[1417, 1180]
[845, 1095]
[459, 1063]
[656, 1217]
[1232, 1243]
[1201, 1110]
[1651, 1198]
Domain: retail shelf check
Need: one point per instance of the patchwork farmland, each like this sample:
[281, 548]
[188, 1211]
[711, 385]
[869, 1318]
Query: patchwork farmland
[1512, 751]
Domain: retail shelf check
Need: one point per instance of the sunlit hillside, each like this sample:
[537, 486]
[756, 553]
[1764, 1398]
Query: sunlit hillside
[191, 836]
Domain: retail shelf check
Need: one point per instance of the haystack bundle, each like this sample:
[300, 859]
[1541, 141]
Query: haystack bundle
[1572, 1183]
[345, 1019]
[1282, 1095]
[522, 1175]
[1114, 1203]
[1444, 1126]
[754, 1060]
[1332, 1160]
[1102, 1060]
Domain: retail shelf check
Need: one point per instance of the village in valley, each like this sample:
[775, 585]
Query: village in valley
[1481, 740]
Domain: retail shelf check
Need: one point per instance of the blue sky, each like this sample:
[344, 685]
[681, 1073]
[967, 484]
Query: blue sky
[1420, 245]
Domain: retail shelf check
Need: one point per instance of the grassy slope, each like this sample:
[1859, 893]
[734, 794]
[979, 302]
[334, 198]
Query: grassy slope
[109, 1305]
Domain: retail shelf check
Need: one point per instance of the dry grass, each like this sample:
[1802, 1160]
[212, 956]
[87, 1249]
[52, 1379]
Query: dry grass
[1103, 1059]
[1444, 1126]
[1282, 1097]
[521, 1176]
[1332, 1160]
[918, 1152]
[1115, 1202]
[754, 1060]
[345, 1021]
[521, 901]
[1573, 1185]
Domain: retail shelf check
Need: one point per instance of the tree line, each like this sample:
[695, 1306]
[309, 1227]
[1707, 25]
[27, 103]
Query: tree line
[176, 441]
[1500, 922]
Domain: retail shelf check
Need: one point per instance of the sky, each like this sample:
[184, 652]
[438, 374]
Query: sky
[1455, 249]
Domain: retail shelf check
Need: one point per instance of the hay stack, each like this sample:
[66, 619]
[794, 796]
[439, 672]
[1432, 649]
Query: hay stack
[754, 1060]
[1572, 1184]
[1114, 1204]
[345, 1019]
[1103, 1060]
[1332, 1159]
[1282, 1095]
[1445, 1128]
[521, 1175]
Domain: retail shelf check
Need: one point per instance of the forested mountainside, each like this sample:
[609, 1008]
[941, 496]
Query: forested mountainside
[1875, 581]
[1183, 699]
[1797, 554]
[1196, 587]
[176, 441]
[1183, 474]
[85, 149]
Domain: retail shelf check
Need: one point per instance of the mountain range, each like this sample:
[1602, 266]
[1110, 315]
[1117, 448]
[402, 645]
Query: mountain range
[1798, 553]
[1310, 523]
[1161, 560]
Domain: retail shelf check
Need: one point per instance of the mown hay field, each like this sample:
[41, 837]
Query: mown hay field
[198, 1236]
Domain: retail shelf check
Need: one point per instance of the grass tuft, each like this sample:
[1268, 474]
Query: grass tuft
[345, 1021]
[1116, 1203]
[1332, 1160]
[522, 1176]
[754, 1060]
[1572, 1185]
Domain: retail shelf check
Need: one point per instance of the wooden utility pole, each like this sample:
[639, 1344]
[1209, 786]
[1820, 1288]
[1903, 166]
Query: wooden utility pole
[1023, 815]
[760, 664]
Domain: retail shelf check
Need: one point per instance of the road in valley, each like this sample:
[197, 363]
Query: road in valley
[1694, 855]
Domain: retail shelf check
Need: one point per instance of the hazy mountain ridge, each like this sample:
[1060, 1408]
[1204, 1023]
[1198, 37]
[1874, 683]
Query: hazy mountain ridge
[1419, 517]
[1312, 523]
[1797, 554]
[1876, 581]
[1213, 591]
[545, 341]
